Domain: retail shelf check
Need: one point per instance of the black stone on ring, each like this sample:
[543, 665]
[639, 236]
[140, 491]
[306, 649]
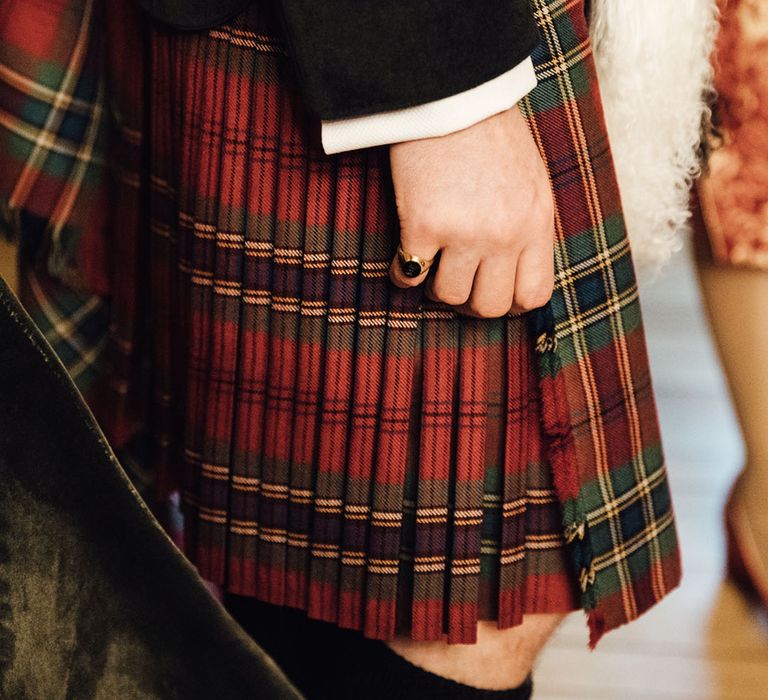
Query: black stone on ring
[410, 268]
[412, 265]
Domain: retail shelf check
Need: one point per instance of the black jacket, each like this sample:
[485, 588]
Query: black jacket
[355, 57]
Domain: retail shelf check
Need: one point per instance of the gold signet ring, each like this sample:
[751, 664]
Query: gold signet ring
[412, 265]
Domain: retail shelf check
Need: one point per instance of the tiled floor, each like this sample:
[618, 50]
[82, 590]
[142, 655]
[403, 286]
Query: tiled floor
[702, 642]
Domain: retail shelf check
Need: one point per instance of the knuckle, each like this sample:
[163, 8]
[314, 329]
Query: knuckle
[423, 227]
[545, 207]
[488, 310]
[452, 298]
[533, 298]
[501, 228]
[454, 292]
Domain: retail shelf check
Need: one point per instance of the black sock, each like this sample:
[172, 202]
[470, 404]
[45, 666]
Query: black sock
[375, 672]
[326, 662]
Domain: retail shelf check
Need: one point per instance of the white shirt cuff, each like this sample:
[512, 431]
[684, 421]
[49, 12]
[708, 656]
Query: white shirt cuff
[430, 119]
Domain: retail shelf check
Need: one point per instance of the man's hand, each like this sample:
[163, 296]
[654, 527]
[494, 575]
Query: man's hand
[481, 197]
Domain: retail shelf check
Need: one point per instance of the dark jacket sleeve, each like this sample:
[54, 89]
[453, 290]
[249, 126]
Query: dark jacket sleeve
[356, 57]
[193, 15]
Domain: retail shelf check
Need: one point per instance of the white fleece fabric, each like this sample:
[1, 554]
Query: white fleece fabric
[654, 65]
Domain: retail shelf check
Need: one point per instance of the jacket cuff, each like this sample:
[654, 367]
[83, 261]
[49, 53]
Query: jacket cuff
[430, 119]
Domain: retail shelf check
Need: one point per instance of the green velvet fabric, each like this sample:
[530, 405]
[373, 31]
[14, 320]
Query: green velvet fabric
[95, 600]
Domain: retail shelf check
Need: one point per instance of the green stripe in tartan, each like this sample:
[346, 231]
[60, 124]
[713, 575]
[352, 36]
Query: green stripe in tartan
[50, 74]
[74, 324]
[52, 125]
[580, 248]
[622, 523]
[640, 558]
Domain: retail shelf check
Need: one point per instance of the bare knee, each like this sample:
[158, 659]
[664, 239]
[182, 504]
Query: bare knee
[499, 659]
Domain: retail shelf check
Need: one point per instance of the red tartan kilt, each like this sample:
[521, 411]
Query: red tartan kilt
[345, 446]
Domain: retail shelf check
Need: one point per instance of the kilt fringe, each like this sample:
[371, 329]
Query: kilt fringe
[592, 343]
[562, 458]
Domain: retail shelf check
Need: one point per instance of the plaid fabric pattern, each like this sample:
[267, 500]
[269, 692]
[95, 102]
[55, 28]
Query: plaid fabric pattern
[75, 324]
[53, 135]
[350, 448]
[55, 181]
[359, 471]
[598, 405]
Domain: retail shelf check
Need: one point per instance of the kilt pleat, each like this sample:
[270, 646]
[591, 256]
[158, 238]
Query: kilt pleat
[470, 431]
[517, 446]
[340, 445]
[430, 556]
[349, 448]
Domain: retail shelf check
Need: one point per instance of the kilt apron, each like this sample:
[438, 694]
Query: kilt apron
[341, 445]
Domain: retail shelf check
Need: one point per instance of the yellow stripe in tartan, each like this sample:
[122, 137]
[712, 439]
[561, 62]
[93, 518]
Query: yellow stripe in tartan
[512, 556]
[548, 541]
[555, 67]
[382, 569]
[646, 536]
[129, 134]
[41, 92]
[641, 489]
[429, 564]
[128, 178]
[468, 516]
[214, 471]
[467, 569]
[589, 387]
[211, 515]
[49, 142]
[540, 497]
[607, 309]
[580, 270]
[556, 8]
[248, 40]
[162, 185]
[66, 328]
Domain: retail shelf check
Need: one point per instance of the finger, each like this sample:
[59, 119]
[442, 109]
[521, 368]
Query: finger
[535, 278]
[493, 288]
[414, 247]
[452, 281]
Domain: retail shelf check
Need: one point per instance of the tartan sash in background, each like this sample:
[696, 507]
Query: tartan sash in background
[597, 401]
[53, 132]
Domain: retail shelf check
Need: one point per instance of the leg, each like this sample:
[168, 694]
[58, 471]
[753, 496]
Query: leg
[325, 661]
[736, 303]
[500, 658]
